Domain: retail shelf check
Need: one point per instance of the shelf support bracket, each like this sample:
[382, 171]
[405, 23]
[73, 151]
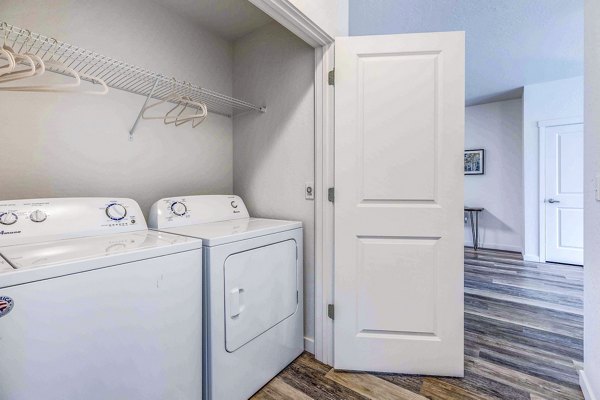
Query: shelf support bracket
[132, 130]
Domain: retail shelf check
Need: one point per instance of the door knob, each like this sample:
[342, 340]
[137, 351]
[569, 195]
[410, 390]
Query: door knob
[553, 201]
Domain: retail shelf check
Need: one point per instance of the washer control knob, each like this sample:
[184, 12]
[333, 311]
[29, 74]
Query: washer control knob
[179, 208]
[8, 218]
[38, 216]
[234, 204]
[116, 212]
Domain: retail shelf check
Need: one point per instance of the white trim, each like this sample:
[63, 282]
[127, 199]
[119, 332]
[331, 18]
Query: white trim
[531, 257]
[309, 345]
[542, 125]
[560, 121]
[324, 217]
[284, 12]
[496, 246]
[585, 387]
[542, 191]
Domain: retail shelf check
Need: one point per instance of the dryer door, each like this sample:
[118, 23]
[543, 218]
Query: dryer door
[260, 291]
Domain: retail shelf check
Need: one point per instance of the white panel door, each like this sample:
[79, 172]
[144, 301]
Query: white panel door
[399, 142]
[564, 194]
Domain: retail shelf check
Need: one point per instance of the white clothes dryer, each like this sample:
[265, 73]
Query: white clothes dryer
[253, 312]
[95, 306]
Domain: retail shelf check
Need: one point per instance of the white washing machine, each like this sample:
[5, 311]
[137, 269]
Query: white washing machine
[93, 305]
[253, 290]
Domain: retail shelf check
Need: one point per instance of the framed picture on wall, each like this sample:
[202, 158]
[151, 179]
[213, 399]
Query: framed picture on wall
[474, 162]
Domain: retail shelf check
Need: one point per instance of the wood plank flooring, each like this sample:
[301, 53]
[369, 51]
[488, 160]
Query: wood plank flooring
[523, 341]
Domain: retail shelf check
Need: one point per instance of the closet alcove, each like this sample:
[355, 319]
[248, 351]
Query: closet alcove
[77, 145]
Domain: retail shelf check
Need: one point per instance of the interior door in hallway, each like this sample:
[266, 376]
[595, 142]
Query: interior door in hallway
[564, 193]
[399, 142]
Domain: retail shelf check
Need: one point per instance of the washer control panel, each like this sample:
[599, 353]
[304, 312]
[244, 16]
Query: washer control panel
[191, 210]
[34, 220]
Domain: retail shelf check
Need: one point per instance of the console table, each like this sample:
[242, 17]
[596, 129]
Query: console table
[474, 217]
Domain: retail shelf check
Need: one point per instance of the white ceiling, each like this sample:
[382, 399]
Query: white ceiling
[510, 43]
[230, 19]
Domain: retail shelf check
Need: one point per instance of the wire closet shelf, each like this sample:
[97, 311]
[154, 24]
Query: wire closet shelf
[118, 74]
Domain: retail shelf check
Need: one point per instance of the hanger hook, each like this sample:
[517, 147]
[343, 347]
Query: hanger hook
[185, 83]
[33, 42]
[53, 46]
[26, 39]
[4, 27]
[17, 38]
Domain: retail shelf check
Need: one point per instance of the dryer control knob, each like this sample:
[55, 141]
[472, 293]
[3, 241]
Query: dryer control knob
[38, 216]
[8, 218]
[116, 212]
[178, 208]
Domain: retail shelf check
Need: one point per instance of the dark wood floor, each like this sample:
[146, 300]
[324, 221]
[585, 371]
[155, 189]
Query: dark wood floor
[523, 340]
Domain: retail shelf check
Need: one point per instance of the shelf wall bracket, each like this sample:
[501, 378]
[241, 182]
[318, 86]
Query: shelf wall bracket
[137, 120]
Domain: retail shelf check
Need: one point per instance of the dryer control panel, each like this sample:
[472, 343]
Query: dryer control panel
[192, 210]
[37, 220]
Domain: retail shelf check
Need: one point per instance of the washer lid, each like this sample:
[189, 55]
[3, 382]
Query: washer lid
[108, 249]
[217, 233]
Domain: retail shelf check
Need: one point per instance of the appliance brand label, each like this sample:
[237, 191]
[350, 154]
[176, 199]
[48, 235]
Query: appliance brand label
[6, 304]
[9, 232]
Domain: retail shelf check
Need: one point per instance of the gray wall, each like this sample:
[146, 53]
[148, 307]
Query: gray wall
[58, 145]
[273, 153]
[497, 128]
[591, 211]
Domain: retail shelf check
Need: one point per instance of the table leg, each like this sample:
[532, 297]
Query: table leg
[473, 231]
[476, 230]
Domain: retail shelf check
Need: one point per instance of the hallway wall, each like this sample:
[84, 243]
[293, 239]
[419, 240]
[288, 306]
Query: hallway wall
[497, 128]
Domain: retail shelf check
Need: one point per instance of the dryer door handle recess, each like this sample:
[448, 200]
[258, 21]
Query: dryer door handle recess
[236, 305]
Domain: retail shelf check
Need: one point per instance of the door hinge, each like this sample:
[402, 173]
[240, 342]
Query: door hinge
[331, 77]
[331, 194]
[330, 311]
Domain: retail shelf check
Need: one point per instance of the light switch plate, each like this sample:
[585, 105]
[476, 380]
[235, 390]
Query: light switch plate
[309, 191]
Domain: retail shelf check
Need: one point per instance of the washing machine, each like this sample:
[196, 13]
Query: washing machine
[95, 306]
[253, 312]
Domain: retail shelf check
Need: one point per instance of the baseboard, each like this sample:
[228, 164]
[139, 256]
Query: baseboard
[531, 257]
[309, 345]
[496, 246]
[585, 387]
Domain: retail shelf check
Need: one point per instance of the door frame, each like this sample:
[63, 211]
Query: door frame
[285, 13]
[542, 127]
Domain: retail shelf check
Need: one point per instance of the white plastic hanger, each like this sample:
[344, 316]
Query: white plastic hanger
[180, 119]
[94, 80]
[8, 68]
[36, 67]
[63, 87]
[196, 119]
[173, 96]
[79, 76]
